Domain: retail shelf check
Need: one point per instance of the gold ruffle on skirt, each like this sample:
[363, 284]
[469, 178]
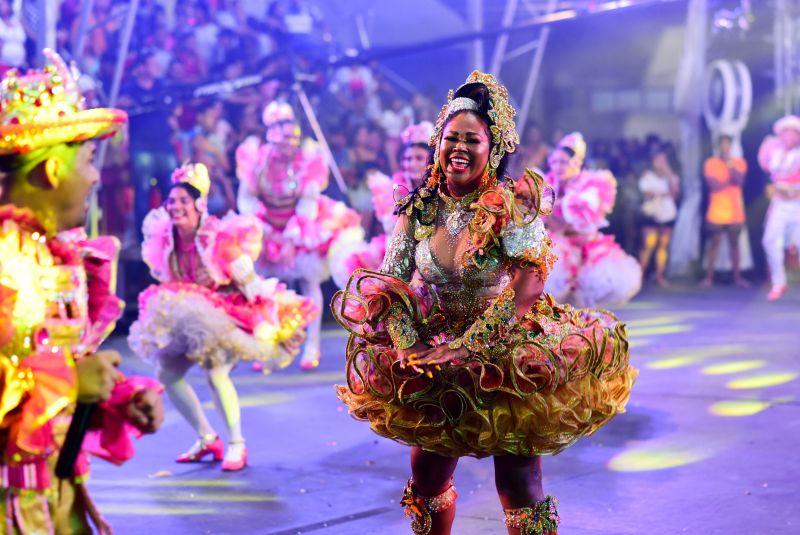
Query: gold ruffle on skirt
[558, 375]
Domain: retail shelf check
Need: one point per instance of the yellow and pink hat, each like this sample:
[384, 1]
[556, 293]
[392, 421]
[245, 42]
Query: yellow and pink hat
[43, 108]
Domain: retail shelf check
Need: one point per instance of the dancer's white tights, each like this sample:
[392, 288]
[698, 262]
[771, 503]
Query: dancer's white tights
[312, 290]
[185, 399]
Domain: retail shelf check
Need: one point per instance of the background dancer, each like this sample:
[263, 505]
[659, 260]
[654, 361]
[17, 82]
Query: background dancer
[725, 176]
[660, 187]
[211, 309]
[386, 192]
[281, 183]
[779, 155]
[592, 269]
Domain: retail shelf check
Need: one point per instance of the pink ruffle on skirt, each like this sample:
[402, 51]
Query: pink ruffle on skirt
[188, 321]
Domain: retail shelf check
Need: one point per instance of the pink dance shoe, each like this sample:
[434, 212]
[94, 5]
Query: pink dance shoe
[235, 457]
[204, 446]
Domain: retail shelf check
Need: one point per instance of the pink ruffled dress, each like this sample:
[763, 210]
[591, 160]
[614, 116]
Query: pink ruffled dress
[200, 312]
[369, 254]
[592, 269]
[313, 230]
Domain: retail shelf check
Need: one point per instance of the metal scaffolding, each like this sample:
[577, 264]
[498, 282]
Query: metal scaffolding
[787, 54]
[510, 40]
[532, 47]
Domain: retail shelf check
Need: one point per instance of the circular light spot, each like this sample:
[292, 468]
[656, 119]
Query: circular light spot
[738, 407]
[655, 458]
[676, 362]
[732, 367]
[762, 381]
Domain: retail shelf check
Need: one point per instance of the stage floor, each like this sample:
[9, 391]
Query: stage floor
[709, 444]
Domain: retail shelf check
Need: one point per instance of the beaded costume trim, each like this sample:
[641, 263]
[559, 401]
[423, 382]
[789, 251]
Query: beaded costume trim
[420, 508]
[541, 519]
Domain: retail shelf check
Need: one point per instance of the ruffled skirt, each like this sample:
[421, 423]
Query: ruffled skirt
[593, 271]
[557, 375]
[187, 321]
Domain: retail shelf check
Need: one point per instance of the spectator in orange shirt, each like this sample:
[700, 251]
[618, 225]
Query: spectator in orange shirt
[724, 176]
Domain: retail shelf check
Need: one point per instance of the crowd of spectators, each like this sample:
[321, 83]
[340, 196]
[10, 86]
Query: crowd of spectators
[173, 56]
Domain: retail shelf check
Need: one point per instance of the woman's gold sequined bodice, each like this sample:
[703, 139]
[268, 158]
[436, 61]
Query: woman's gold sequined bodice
[463, 290]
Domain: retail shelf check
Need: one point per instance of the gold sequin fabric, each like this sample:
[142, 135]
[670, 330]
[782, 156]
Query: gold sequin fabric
[551, 377]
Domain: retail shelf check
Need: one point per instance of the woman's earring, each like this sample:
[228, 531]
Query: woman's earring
[489, 179]
[435, 177]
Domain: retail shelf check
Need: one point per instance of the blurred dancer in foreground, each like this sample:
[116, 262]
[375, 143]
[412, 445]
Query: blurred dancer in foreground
[57, 304]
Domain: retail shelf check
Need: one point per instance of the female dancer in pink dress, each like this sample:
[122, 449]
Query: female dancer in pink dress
[592, 269]
[281, 183]
[386, 192]
[210, 308]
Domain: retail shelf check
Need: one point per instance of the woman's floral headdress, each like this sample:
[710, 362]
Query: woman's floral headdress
[418, 133]
[501, 113]
[194, 174]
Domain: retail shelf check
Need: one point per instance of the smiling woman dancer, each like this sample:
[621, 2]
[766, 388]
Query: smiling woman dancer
[455, 350]
[592, 269]
[211, 309]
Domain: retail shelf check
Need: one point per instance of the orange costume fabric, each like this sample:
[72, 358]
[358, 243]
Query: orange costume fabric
[726, 205]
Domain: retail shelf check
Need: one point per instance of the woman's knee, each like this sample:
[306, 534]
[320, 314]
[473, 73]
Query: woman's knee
[169, 375]
[650, 239]
[518, 477]
[431, 472]
[218, 375]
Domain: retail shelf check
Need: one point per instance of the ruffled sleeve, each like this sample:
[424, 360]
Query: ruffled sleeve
[223, 241]
[315, 172]
[783, 165]
[35, 391]
[382, 189]
[158, 244]
[589, 198]
[508, 224]
[249, 159]
[525, 242]
[110, 439]
[100, 263]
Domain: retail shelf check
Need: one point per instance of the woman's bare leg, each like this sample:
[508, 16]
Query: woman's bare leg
[432, 474]
[662, 255]
[519, 482]
[183, 396]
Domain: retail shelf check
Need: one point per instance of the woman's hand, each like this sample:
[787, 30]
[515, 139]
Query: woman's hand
[293, 343]
[433, 358]
[146, 410]
[405, 355]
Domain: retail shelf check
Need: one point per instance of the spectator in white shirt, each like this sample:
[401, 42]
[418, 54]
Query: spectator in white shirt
[12, 37]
